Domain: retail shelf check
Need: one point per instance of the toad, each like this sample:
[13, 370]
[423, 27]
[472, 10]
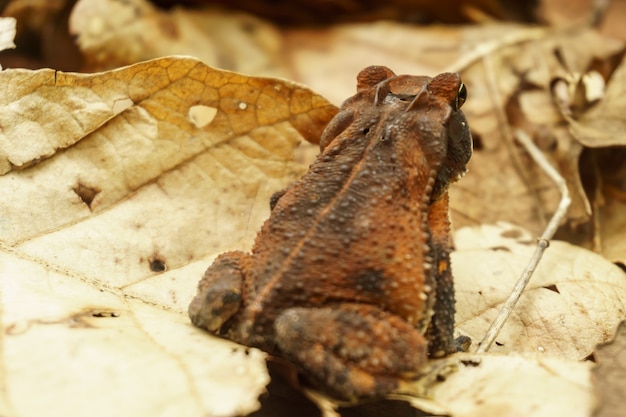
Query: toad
[349, 278]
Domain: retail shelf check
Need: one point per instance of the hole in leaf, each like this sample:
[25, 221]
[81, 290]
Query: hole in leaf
[500, 249]
[591, 357]
[471, 363]
[86, 193]
[201, 115]
[552, 288]
[157, 265]
[121, 105]
[101, 314]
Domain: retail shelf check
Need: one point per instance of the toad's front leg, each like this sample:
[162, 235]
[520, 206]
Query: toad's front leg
[219, 293]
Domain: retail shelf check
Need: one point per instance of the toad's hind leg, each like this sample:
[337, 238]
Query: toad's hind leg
[351, 350]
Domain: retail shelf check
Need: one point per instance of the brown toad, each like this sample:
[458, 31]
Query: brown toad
[350, 276]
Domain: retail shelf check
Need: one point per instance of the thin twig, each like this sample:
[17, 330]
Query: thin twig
[542, 243]
[488, 48]
[598, 11]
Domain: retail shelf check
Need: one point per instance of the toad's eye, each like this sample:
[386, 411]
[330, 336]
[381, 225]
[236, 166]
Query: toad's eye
[461, 96]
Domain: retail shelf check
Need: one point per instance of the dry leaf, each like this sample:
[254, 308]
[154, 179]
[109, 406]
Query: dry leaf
[573, 302]
[517, 85]
[327, 59]
[513, 386]
[73, 349]
[123, 187]
[609, 375]
[596, 125]
[123, 192]
[513, 92]
[113, 33]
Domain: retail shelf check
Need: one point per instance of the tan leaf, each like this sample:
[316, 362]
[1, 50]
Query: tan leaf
[468, 385]
[112, 33]
[123, 186]
[573, 302]
[609, 375]
[73, 349]
[498, 385]
[328, 59]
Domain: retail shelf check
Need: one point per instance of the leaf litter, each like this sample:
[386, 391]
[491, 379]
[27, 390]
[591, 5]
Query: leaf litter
[160, 269]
